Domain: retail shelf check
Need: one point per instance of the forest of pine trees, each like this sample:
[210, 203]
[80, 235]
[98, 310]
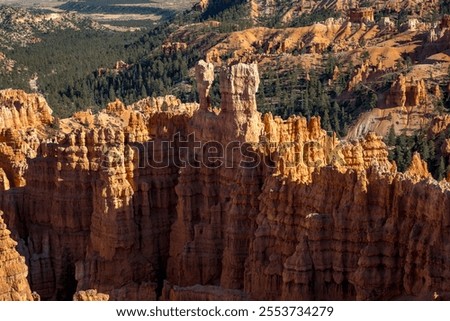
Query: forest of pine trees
[295, 91]
[75, 72]
[403, 148]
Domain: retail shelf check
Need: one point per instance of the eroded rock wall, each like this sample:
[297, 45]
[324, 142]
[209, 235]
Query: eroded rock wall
[186, 201]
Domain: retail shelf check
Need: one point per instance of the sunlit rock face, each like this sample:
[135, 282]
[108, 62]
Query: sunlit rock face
[177, 201]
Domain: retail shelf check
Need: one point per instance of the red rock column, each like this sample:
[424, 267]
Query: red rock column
[13, 270]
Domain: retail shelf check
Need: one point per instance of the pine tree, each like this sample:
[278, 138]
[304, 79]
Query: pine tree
[441, 169]
[143, 91]
[424, 148]
[373, 100]
[111, 94]
[326, 120]
[402, 153]
[408, 157]
[432, 149]
[391, 137]
[261, 98]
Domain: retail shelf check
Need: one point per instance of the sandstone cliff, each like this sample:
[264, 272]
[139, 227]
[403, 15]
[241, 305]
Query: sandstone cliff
[13, 270]
[406, 108]
[403, 93]
[24, 119]
[187, 201]
[20, 110]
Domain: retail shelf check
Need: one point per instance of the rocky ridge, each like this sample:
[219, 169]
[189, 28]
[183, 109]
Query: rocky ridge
[263, 208]
[377, 54]
[19, 26]
[286, 11]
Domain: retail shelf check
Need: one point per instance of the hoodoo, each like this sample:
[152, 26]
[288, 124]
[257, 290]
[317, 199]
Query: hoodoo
[263, 208]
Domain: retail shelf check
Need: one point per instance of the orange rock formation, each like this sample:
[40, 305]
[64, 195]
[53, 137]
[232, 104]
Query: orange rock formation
[13, 270]
[360, 15]
[90, 295]
[405, 93]
[184, 201]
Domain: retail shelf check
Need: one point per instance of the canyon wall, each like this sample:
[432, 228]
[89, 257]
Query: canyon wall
[185, 201]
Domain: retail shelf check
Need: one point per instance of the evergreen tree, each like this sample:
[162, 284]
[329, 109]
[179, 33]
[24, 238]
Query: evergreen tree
[112, 94]
[143, 91]
[391, 138]
[402, 153]
[424, 148]
[373, 99]
[326, 124]
[335, 118]
[441, 169]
